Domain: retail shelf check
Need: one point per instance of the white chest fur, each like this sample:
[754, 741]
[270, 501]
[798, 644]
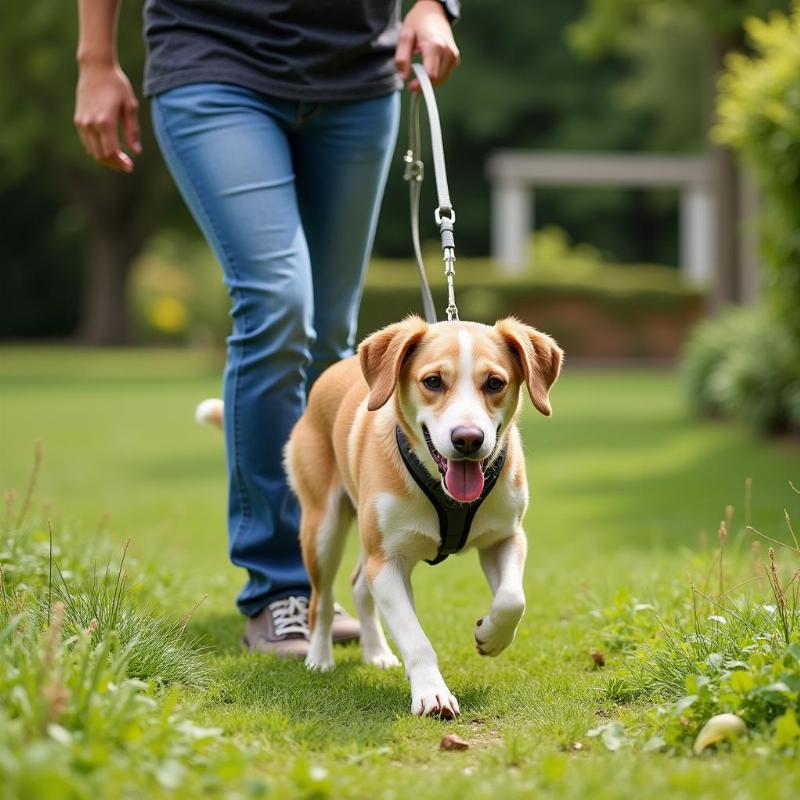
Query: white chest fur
[410, 526]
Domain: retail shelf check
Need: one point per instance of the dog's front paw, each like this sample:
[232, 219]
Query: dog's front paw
[434, 701]
[319, 662]
[384, 659]
[492, 638]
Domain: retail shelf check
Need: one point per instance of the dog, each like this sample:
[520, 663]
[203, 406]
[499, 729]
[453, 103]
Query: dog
[406, 437]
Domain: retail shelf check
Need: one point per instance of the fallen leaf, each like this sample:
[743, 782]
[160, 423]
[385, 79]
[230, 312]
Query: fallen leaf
[598, 657]
[453, 742]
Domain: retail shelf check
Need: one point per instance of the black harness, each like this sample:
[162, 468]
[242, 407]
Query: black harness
[455, 519]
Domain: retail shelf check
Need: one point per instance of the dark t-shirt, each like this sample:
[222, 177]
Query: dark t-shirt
[296, 49]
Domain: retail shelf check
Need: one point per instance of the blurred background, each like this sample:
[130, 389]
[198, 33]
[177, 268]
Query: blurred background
[621, 170]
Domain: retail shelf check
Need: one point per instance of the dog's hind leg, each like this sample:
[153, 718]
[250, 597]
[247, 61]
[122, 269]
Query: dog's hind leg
[323, 536]
[374, 646]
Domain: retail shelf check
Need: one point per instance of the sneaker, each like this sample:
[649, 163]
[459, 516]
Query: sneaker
[345, 628]
[281, 628]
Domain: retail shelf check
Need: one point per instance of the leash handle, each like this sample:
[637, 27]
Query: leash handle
[444, 214]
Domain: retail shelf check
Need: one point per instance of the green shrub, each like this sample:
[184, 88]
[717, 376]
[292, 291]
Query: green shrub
[745, 365]
[178, 295]
[759, 114]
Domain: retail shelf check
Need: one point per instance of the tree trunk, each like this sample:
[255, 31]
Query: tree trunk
[118, 223]
[105, 319]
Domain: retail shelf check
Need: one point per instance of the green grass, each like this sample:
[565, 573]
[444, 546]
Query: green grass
[625, 489]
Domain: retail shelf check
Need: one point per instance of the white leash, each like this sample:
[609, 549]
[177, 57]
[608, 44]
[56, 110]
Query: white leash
[444, 214]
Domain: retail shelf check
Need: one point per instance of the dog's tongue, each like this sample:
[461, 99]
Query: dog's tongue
[464, 480]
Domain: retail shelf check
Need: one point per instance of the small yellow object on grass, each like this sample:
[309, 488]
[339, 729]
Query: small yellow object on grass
[721, 728]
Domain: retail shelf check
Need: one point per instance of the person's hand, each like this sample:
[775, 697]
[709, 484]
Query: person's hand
[426, 30]
[104, 100]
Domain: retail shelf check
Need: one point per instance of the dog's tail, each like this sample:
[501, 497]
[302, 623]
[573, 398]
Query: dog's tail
[210, 412]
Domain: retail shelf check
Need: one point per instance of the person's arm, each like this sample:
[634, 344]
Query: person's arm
[104, 98]
[427, 30]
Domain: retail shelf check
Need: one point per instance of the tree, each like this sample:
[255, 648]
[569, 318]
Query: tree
[39, 143]
[611, 25]
[760, 117]
[521, 85]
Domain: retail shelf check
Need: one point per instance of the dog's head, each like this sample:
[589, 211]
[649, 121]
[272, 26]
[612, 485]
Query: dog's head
[457, 388]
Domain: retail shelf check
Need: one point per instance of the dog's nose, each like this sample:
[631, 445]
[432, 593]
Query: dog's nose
[466, 440]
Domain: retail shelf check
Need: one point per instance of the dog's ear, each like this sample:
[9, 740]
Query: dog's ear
[382, 354]
[539, 356]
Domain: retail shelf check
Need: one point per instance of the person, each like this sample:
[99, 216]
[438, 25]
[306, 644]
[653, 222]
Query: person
[277, 120]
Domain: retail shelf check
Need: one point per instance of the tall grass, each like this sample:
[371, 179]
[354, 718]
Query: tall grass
[39, 567]
[731, 645]
[93, 687]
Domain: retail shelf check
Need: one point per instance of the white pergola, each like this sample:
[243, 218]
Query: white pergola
[516, 174]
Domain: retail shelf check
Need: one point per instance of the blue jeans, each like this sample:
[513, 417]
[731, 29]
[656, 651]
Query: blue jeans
[287, 194]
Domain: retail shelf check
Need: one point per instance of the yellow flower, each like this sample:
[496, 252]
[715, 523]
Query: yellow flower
[168, 314]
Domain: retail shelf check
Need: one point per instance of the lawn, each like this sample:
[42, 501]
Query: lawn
[627, 495]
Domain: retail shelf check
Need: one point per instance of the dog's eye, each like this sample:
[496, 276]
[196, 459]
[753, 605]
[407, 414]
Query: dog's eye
[433, 382]
[495, 384]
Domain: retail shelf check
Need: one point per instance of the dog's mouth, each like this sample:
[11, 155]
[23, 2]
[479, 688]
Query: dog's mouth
[463, 478]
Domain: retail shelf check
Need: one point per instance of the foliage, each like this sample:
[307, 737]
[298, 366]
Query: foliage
[736, 651]
[43, 164]
[674, 47]
[178, 294]
[42, 262]
[82, 673]
[759, 113]
[745, 365]
[608, 21]
[532, 93]
[668, 89]
[74, 724]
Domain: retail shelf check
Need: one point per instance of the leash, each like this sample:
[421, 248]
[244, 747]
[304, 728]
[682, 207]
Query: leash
[444, 215]
[455, 519]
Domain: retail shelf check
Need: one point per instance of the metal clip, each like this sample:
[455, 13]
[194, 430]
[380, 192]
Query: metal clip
[450, 273]
[449, 210]
[415, 168]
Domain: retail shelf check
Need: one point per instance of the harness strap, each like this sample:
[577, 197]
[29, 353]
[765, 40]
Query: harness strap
[455, 519]
[444, 214]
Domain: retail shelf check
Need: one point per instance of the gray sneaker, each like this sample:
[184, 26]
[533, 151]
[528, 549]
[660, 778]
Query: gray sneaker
[281, 628]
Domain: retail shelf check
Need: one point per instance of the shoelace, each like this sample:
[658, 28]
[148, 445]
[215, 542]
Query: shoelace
[290, 616]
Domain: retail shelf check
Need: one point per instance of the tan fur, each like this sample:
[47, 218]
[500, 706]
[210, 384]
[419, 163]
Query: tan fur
[539, 356]
[345, 439]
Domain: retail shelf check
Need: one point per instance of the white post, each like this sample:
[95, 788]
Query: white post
[697, 235]
[511, 219]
